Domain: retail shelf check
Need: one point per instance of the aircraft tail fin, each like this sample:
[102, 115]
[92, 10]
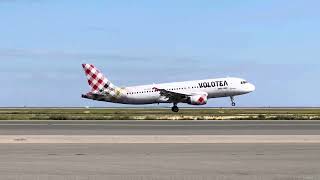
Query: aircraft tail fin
[96, 80]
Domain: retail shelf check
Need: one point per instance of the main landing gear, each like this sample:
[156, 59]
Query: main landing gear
[233, 103]
[175, 108]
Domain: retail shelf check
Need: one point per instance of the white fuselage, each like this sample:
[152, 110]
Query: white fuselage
[213, 88]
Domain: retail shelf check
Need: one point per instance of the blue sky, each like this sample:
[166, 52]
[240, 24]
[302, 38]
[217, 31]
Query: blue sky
[274, 44]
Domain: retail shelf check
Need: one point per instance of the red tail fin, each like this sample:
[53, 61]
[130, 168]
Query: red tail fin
[96, 79]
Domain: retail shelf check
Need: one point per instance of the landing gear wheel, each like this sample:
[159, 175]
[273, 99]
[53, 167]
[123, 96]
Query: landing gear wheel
[232, 101]
[175, 109]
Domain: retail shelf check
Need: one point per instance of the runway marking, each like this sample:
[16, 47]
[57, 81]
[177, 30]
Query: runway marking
[151, 139]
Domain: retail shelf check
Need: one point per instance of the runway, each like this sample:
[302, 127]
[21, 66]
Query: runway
[160, 127]
[160, 150]
[160, 161]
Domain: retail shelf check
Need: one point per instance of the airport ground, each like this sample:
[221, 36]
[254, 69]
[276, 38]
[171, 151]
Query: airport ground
[236, 150]
[235, 161]
[173, 150]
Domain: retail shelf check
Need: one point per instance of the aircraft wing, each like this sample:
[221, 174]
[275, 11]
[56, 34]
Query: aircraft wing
[172, 96]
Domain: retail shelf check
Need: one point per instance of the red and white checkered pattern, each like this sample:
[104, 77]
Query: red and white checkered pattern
[96, 79]
[202, 100]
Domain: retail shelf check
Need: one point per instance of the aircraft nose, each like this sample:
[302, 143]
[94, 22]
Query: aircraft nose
[250, 87]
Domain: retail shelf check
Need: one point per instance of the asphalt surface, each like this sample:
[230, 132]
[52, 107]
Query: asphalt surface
[160, 161]
[160, 127]
[84, 161]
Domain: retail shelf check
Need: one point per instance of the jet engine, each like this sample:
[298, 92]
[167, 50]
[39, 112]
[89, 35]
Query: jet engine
[197, 100]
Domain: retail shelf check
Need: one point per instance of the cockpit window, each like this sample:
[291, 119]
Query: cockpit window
[244, 82]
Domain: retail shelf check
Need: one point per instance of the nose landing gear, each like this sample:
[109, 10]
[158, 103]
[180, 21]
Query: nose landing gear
[175, 108]
[233, 103]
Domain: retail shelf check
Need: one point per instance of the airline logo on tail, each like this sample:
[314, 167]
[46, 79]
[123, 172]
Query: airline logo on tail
[95, 78]
[99, 83]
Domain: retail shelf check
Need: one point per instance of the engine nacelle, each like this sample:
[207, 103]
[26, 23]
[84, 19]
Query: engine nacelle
[197, 100]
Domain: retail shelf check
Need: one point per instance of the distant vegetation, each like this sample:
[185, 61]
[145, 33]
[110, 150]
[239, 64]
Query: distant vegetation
[159, 114]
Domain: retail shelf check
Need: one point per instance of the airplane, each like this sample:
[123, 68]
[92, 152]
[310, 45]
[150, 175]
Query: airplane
[195, 92]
